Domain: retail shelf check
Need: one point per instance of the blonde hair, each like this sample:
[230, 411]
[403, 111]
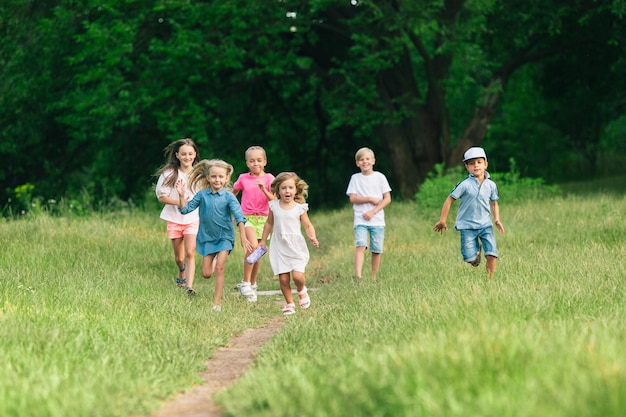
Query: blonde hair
[361, 151]
[199, 174]
[255, 148]
[302, 188]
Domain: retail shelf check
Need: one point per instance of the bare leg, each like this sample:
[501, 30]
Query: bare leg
[359, 257]
[248, 270]
[491, 265]
[208, 266]
[285, 287]
[179, 255]
[375, 264]
[255, 272]
[219, 276]
[190, 258]
[299, 280]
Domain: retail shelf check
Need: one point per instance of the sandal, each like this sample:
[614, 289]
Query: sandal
[190, 292]
[306, 301]
[289, 309]
[181, 282]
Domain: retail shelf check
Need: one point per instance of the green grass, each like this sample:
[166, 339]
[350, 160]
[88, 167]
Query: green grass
[91, 323]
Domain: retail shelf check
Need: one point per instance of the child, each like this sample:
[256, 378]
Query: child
[289, 253]
[181, 156]
[255, 195]
[369, 194]
[216, 235]
[478, 194]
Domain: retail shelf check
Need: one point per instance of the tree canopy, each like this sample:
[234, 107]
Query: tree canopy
[92, 92]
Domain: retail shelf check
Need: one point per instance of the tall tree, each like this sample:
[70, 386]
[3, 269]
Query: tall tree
[310, 80]
[398, 62]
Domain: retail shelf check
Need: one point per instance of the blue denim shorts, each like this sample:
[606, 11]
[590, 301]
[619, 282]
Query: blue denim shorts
[470, 245]
[376, 237]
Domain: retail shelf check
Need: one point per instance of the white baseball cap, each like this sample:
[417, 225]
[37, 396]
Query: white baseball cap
[473, 153]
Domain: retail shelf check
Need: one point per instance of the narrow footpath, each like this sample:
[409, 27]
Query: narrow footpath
[228, 364]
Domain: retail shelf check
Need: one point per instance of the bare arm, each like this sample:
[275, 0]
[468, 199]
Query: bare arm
[180, 188]
[358, 199]
[165, 199]
[268, 195]
[379, 203]
[441, 225]
[245, 244]
[309, 229]
[495, 209]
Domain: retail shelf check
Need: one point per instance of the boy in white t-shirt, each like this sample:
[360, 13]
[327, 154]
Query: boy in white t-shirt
[369, 194]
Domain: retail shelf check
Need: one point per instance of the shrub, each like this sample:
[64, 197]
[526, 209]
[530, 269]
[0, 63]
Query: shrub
[511, 186]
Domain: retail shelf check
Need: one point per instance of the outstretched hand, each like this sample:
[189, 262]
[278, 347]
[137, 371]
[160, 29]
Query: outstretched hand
[440, 227]
[180, 186]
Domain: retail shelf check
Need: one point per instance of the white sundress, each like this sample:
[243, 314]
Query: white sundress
[288, 248]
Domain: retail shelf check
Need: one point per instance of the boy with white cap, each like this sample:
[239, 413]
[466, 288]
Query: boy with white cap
[478, 200]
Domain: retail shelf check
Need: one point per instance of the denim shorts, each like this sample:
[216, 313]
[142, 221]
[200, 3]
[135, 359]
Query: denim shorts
[376, 237]
[470, 245]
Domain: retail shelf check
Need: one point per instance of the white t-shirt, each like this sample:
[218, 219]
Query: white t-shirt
[373, 185]
[170, 212]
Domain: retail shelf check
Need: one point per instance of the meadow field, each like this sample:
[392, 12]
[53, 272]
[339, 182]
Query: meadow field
[91, 323]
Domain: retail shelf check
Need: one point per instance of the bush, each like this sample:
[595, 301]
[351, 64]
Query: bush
[511, 186]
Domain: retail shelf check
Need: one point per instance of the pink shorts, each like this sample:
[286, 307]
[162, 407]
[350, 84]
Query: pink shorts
[176, 230]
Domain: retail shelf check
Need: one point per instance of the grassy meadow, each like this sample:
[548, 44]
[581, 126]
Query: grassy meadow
[91, 323]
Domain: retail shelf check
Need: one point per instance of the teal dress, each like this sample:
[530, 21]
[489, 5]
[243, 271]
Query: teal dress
[216, 232]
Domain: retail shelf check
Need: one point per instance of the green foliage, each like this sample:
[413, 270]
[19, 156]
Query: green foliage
[80, 323]
[512, 187]
[26, 203]
[438, 186]
[91, 92]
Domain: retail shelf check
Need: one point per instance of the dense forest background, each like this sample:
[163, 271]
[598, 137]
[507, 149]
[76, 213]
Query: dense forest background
[91, 92]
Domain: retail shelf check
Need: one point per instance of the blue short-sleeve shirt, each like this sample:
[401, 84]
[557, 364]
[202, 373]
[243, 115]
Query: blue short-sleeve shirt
[474, 202]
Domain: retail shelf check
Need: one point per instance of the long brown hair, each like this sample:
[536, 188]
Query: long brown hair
[172, 163]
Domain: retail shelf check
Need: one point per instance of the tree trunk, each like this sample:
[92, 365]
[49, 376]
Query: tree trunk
[411, 145]
[479, 123]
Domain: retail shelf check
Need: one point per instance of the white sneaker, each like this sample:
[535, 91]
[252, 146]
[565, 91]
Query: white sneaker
[245, 289]
[217, 308]
[252, 298]
[239, 284]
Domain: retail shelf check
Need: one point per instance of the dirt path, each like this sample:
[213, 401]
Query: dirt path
[228, 364]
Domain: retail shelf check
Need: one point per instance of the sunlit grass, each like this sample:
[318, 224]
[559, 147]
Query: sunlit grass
[91, 322]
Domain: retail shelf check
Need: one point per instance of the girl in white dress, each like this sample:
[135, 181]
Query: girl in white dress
[289, 253]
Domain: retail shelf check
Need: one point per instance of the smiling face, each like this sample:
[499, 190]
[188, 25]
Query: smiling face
[186, 155]
[477, 167]
[287, 190]
[366, 162]
[218, 178]
[256, 161]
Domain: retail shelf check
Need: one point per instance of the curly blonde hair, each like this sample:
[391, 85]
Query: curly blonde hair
[302, 188]
[199, 174]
